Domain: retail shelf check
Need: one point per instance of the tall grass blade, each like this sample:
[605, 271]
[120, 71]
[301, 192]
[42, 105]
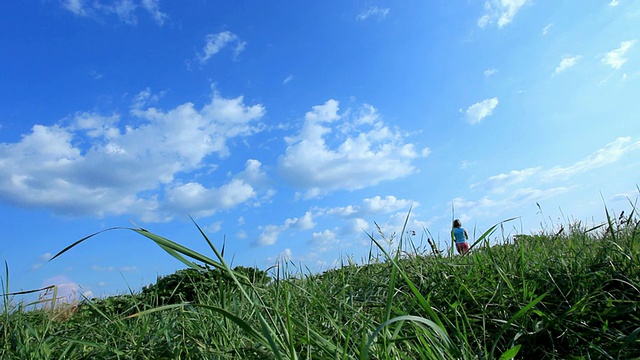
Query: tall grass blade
[490, 231]
[511, 353]
[515, 317]
[439, 335]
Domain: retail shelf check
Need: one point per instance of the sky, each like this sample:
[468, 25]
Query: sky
[290, 131]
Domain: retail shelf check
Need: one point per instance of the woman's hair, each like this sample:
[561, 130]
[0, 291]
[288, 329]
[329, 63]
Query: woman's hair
[457, 223]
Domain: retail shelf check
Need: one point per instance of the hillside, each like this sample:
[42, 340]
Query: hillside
[568, 295]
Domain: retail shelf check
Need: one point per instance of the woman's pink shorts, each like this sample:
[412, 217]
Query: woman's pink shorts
[462, 248]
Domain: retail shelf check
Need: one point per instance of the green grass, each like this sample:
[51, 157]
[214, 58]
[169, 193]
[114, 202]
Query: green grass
[567, 295]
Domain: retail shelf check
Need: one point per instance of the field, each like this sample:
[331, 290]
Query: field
[571, 293]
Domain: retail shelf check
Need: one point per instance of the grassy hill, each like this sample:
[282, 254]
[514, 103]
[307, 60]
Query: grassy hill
[569, 295]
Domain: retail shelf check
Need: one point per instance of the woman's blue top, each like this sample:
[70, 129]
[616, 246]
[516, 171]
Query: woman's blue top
[458, 233]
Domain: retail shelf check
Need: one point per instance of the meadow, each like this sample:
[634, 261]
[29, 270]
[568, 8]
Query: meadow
[569, 293]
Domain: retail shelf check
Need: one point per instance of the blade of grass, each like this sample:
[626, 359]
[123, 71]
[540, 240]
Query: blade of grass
[516, 317]
[490, 231]
[428, 324]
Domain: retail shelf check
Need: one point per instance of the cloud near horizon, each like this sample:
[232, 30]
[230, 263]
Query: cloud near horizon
[517, 188]
[353, 216]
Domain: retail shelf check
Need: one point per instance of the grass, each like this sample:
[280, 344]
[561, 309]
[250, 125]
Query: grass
[566, 295]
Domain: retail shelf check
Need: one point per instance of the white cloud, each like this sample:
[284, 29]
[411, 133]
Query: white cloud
[490, 72]
[216, 42]
[500, 11]
[373, 11]
[324, 241]
[517, 198]
[358, 225]
[98, 268]
[125, 10]
[77, 7]
[519, 186]
[284, 256]
[614, 3]
[478, 111]
[287, 79]
[615, 58]
[67, 290]
[499, 183]
[612, 152]
[567, 62]
[270, 233]
[546, 29]
[153, 7]
[198, 200]
[94, 166]
[385, 205]
[364, 153]
[518, 189]
[374, 205]
[352, 213]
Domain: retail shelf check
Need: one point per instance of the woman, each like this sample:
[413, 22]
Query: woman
[460, 235]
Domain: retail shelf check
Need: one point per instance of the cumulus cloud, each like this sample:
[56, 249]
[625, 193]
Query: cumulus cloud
[480, 110]
[374, 205]
[214, 43]
[93, 165]
[324, 240]
[567, 62]
[67, 290]
[352, 215]
[501, 12]
[373, 11]
[385, 205]
[270, 233]
[365, 152]
[284, 256]
[615, 58]
[199, 200]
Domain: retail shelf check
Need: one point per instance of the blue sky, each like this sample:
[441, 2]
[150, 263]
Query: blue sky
[289, 129]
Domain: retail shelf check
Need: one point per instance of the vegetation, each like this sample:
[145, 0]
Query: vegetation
[570, 294]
